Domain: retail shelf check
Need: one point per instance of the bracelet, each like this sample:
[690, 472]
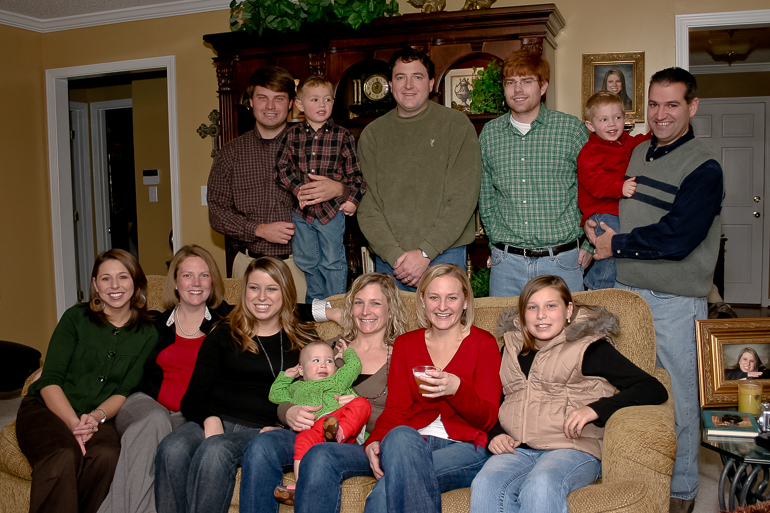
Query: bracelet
[104, 415]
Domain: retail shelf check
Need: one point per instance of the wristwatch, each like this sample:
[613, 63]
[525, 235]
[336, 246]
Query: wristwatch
[424, 254]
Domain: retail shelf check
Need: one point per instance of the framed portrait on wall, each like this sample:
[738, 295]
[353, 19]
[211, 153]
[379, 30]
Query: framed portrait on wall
[731, 350]
[620, 73]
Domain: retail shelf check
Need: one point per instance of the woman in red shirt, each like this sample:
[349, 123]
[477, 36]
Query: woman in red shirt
[430, 439]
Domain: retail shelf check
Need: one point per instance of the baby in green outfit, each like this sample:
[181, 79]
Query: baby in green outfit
[322, 381]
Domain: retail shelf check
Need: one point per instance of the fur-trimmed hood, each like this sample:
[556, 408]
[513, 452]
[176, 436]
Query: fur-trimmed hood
[586, 320]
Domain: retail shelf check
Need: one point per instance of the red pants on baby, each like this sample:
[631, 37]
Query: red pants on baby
[352, 418]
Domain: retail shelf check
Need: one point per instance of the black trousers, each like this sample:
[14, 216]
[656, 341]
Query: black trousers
[63, 478]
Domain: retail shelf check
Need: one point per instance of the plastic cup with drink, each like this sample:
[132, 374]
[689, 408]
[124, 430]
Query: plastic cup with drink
[421, 372]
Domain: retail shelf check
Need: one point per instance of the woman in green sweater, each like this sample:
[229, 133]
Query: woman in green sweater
[64, 425]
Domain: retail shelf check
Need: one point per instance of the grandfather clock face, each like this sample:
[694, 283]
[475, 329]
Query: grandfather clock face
[376, 87]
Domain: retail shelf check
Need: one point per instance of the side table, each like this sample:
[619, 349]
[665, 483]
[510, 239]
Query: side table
[743, 461]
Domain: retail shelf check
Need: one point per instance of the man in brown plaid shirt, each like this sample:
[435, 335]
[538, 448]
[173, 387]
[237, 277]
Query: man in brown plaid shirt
[245, 202]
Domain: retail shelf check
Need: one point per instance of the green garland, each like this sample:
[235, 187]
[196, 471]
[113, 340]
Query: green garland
[284, 15]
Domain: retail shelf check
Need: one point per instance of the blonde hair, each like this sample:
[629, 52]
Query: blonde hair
[244, 324]
[601, 99]
[397, 321]
[536, 285]
[314, 81]
[438, 271]
[170, 296]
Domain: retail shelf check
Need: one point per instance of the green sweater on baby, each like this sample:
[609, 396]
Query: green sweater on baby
[321, 391]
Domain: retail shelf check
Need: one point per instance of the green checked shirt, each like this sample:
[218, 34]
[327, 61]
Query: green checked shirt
[529, 191]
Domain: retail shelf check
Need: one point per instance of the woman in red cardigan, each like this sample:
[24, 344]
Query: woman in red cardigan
[430, 439]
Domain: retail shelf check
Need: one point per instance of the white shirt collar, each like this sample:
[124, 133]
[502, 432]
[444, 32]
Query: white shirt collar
[170, 321]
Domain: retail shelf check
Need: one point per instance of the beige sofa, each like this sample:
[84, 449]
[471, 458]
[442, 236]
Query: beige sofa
[639, 444]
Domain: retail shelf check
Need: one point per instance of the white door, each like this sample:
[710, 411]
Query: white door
[734, 131]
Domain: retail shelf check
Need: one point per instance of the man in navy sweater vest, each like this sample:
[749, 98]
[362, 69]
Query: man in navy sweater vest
[667, 250]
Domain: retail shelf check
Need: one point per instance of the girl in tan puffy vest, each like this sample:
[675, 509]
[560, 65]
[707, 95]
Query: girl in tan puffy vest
[560, 372]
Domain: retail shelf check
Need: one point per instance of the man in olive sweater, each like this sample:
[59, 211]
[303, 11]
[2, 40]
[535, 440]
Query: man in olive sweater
[422, 166]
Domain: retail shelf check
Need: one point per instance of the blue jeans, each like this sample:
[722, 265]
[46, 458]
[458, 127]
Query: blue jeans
[319, 252]
[674, 318]
[450, 256]
[418, 469]
[511, 272]
[197, 474]
[324, 468]
[602, 273]
[532, 480]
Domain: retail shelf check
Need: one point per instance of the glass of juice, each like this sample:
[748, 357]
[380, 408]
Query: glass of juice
[749, 397]
[420, 372]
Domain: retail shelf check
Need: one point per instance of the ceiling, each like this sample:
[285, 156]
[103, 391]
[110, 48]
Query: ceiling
[54, 15]
[704, 41]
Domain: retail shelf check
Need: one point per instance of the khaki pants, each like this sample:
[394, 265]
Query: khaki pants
[242, 261]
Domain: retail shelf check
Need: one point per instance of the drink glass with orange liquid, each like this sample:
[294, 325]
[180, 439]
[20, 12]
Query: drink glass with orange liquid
[421, 372]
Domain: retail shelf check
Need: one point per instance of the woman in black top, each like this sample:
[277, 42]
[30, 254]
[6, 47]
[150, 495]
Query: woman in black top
[227, 399]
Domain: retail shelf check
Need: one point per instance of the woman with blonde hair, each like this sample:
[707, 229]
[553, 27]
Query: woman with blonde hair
[226, 402]
[748, 366]
[65, 424]
[430, 438]
[372, 317]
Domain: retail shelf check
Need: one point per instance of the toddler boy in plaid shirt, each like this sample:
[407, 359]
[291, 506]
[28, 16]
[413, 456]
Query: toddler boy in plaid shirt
[313, 148]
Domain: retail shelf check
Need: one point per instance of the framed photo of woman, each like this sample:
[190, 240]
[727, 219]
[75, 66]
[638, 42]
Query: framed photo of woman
[731, 350]
[620, 73]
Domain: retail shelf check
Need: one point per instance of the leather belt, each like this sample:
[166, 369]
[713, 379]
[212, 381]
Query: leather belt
[252, 254]
[538, 252]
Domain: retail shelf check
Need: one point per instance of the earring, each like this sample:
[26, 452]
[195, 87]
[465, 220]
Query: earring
[569, 320]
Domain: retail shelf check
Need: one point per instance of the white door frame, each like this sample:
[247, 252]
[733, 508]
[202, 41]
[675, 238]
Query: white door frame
[684, 22]
[59, 167]
[82, 191]
[99, 160]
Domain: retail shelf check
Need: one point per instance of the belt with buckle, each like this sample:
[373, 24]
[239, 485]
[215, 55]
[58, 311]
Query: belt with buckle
[252, 254]
[538, 252]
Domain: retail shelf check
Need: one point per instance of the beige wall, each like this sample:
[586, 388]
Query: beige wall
[27, 292]
[150, 109]
[27, 307]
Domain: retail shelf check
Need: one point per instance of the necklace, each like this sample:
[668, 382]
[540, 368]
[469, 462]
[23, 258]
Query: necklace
[179, 323]
[387, 373]
[280, 334]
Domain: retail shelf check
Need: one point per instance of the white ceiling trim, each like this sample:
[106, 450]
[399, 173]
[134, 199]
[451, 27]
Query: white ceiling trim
[109, 17]
[712, 69]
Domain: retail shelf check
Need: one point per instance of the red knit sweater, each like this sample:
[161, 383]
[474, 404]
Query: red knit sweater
[601, 172]
[469, 414]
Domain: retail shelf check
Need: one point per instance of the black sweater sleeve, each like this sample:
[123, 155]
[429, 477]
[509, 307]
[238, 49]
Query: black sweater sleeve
[636, 387]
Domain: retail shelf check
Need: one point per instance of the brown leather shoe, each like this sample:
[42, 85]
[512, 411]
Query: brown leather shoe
[677, 505]
[284, 494]
[330, 427]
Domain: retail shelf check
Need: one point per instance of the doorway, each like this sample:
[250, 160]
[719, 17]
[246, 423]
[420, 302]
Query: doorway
[60, 164]
[747, 256]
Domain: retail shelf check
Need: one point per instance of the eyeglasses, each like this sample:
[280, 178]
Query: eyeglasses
[525, 82]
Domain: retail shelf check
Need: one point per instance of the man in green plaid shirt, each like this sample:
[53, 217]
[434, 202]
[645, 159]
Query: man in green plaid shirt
[528, 200]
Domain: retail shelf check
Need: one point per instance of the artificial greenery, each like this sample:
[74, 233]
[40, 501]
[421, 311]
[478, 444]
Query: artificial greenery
[487, 93]
[480, 282]
[284, 15]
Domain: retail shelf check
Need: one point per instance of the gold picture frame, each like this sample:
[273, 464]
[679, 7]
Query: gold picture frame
[597, 68]
[720, 343]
